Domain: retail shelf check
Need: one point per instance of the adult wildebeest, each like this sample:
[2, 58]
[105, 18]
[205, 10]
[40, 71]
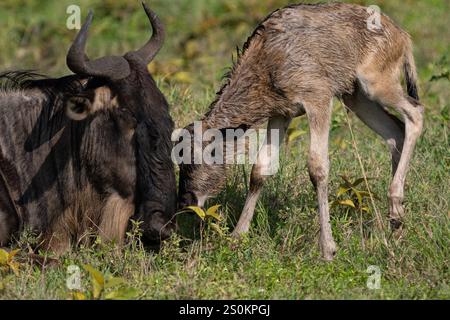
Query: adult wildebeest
[85, 153]
[296, 61]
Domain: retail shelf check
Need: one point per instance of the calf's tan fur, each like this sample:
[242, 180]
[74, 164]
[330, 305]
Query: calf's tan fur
[297, 60]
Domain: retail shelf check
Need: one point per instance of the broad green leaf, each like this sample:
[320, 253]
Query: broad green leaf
[114, 282]
[122, 294]
[98, 281]
[360, 180]
[4, 256]
[367, 194]
[357, 182]
[342, 190]
[78, 296]
[7, 261]
[199, 211]
[358, 195]
[347, 182]
[212, 212]
[347, 202]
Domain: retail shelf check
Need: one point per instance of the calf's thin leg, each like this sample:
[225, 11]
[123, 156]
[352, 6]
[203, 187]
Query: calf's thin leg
[319, 117]
[413, 117]
[262, 170]
[387, 90]
[386, 125]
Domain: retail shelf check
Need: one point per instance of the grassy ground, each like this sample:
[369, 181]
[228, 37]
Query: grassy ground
[280, 257]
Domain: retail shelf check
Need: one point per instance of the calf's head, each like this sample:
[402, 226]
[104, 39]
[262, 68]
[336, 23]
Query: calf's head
[199, 180]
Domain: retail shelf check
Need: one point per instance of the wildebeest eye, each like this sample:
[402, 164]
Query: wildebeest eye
[77, 108]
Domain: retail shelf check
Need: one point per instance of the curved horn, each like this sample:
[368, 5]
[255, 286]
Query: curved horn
[152, 47]
[112, 67]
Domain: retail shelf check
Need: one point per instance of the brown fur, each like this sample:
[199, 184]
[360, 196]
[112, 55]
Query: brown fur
[296, 61]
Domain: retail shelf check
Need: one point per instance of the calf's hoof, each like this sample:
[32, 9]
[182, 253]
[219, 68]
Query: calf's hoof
[396, 224]
[396, 229]
[396, 212]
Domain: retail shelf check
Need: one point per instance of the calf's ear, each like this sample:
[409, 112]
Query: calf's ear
[78, 108]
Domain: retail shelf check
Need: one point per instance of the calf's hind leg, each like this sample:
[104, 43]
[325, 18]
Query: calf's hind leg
[388, 126]
[387, 90]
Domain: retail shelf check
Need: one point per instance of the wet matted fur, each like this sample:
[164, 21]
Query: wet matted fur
[294, 63]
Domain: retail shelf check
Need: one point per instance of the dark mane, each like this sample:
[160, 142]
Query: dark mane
[29, 79]
[240, 52]
[18, 80]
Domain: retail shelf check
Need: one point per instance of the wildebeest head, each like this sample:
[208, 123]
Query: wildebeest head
[107, 160]
[126, 83]
[112, 76]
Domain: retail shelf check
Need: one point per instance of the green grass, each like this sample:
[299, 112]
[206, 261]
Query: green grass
[280, 257]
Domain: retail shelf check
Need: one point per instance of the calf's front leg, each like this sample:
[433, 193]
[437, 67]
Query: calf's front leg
[319, 118]
[262, 170]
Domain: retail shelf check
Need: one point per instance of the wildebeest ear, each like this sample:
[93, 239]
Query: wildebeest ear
[78, 108]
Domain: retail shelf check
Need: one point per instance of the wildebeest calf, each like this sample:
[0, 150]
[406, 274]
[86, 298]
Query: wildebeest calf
[83, 154]
[295, 62]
